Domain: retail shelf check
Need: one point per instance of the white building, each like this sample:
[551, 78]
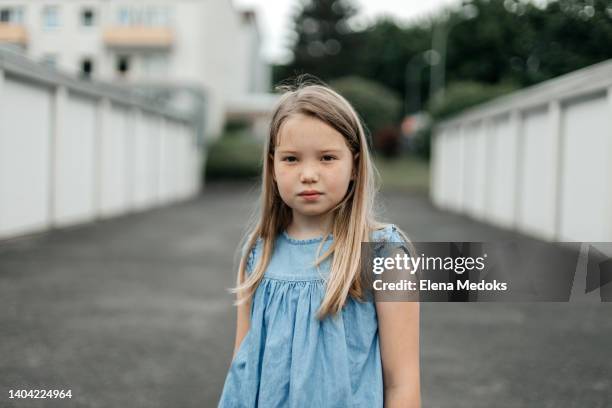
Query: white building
[203, 44]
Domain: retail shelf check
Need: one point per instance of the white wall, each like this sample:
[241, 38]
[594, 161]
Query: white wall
[25, 156]
[73, 152]
[212, 47]
[501, 180]
[537, 178]
[537, 160]
[474, 153]
[586, 157]
[75, 161]
[114, 151]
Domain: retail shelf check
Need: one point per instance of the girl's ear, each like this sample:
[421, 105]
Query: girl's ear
[354, 175]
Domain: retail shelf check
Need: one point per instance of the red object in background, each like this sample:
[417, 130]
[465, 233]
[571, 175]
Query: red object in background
[387, 141]
[409, 125]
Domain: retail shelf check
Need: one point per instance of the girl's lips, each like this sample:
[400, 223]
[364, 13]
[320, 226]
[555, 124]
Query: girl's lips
[310, 197]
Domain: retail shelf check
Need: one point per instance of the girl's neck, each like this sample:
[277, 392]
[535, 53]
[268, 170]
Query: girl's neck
[307, 227]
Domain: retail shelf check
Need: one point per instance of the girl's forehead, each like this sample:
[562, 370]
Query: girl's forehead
[305, 131]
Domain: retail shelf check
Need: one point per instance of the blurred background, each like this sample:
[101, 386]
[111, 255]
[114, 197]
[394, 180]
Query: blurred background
[131, 136]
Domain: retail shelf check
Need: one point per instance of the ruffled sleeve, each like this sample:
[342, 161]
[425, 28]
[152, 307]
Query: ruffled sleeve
[387, 234]
[389, 240]
[251, 258]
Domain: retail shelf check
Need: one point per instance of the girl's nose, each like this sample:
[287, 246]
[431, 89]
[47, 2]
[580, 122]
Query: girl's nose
[309, 175]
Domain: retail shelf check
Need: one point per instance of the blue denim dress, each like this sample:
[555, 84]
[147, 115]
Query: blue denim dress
[288, 358]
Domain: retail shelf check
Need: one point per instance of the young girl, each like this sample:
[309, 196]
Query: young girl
[308, 333]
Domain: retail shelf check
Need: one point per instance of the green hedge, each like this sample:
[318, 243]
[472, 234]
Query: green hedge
[235, 155]
[465, 94]
[378, 106]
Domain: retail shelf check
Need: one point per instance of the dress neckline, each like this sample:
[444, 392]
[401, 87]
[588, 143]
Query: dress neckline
[295, 241]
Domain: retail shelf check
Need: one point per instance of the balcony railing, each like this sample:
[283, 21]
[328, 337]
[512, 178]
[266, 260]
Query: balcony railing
[13, 34]
[139, 37]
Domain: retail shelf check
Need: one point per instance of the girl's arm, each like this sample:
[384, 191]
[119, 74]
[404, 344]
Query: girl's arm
[398, 328]
[242, 324]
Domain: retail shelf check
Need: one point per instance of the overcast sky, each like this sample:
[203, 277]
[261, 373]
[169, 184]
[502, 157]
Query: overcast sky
[274, 17]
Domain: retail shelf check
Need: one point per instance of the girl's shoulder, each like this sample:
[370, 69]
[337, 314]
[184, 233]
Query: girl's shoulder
[388, 233]
[252, 255]
[391, 239]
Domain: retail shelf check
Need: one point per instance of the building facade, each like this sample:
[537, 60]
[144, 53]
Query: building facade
[204, 44]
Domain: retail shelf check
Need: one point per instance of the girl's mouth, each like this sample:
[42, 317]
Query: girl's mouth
[310, 196]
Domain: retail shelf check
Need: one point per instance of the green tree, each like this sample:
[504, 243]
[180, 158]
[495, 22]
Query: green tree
[378, 105]
[323, 37]
[384, 49]
[502, 42]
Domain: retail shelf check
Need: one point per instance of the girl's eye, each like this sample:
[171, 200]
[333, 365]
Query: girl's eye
[328, 158]
[289, 158]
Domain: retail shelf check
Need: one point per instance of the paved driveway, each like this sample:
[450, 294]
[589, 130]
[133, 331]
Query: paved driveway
[133, 312]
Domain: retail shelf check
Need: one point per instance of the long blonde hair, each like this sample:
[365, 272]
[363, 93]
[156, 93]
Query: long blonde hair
[354, 217]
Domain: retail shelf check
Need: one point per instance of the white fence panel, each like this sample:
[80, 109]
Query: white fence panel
[537, 194]
[165, 163]
[474, 170]
[181, 161]
[541, 157]
[75, 161]
[173, 135]
[74, 151]
[25, 159]
[455, 170]
[587, 151]
[114, 162]
[195, 161]
[437, 170]
[141, 162]
[502, 178]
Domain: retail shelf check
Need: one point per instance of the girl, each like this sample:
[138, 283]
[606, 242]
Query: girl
[308, 334]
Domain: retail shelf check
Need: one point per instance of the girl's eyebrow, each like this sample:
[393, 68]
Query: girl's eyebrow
[320, 151]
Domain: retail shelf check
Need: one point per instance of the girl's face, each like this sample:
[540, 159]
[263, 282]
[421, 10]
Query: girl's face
[312, 165]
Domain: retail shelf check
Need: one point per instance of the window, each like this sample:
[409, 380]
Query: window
[123, 18]
[123, 65]
[5, 15]
[86, 68]
[87, 18]
[146, 16]
[11, 15]
[51, 17]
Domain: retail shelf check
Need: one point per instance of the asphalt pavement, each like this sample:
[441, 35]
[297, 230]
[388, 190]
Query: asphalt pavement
[134, 312]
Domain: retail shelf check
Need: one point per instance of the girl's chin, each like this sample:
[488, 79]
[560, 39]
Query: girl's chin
[312, 211]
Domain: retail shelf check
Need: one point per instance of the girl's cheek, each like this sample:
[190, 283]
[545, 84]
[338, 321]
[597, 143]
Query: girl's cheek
[283, 173]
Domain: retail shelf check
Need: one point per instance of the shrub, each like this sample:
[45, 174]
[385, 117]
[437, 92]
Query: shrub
[234, 126]
[235, 155]
[462, 95]
[378, 106]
